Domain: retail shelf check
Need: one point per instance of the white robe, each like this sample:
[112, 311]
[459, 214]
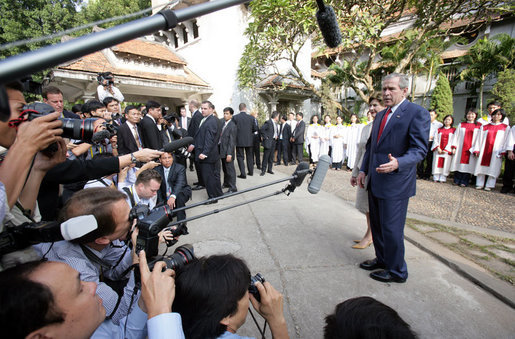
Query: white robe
[510, 141]
[353, 135]
[313, 142]
[442, 162]
[465, 137]
[489, 162]
[337, 142]
[325, 138]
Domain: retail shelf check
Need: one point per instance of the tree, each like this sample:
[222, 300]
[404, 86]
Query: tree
[485, 59]
[504, 91]
[97, 10]
[441, 101]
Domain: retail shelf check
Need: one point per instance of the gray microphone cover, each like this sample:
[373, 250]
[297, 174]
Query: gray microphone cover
[318, 177]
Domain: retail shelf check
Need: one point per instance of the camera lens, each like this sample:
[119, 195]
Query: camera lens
[78, 129]
[182, 255]
[252, 287]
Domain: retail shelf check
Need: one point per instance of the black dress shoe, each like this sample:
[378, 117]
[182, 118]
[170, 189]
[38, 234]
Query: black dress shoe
[386, 276]
[226, 186]
[262, 174]
[258, 167]
[242, 176]
[371, 265]
[211, 202]
[231, 191]
[191, 169]
[196, 183]
[250, 174]
[277, 164]
[197, 188]
[270, 172]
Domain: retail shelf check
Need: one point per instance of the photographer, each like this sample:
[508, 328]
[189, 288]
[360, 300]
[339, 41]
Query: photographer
[112, 114]
[100, 256]
[212, 297]
[49, 300]
[145, 190]
[106, 87]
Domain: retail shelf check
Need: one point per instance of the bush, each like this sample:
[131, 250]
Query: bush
[441, 100]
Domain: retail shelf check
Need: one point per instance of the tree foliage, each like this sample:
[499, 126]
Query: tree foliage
[504, 91]
[441, 101]
[97, 10]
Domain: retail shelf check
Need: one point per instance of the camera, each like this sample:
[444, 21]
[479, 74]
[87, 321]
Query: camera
[105, 78]
[150, 223]
[182, 152]
[180, 257]
[252, 287]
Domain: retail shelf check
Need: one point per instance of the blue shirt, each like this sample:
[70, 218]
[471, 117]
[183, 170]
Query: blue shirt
[229, 335]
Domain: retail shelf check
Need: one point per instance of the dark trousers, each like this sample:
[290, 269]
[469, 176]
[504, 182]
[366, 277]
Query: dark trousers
[293, 152]
[425, 167]
[245, 152]
[461, 178]
[299, 154]
[200, 180]
[229, 173]
[268, 158]
[507, 179]
[387, 219]
[257, 153]
[285, 150]
[211, 176]
[180, 201]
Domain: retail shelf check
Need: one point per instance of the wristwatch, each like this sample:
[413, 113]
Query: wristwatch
[133, 158]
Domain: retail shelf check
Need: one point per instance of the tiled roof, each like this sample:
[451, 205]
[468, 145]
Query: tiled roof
[148, 49]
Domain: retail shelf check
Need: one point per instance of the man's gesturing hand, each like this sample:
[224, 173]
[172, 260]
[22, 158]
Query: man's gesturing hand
[390, 166]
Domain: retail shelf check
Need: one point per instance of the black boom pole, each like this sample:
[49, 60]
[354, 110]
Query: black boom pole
[21, 65]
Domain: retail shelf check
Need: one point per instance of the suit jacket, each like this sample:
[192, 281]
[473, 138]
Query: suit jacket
[267, 134]
[228, 140]
[177, 181]
[405, 137]
[298, 133]
[188, 119]
[194, 123]
[286, 131]
[246, 127]
[206, 140]
[150, 134]
[126, 142]
[70, 115]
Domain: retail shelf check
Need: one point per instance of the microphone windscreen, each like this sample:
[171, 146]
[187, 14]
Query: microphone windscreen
[318, 177]
[328, 24]
[77, 227]
[100, 136]
[176, 144]
[303, 166]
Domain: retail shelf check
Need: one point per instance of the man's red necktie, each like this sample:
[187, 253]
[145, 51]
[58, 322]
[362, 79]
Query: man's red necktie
[383, 123]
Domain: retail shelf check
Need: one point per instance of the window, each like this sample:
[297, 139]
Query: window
[195, 29]
[185, 34]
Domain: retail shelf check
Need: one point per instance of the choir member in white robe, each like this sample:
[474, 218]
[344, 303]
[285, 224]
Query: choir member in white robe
[375, 106]
[313, 139]
[509, 164]
[489, 148]
[338, 147]
[353, 134]
[442, 148]
[325, 138]
[463, 162]
[492, 106]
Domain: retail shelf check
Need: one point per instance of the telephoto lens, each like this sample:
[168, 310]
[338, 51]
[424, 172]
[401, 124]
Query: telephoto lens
[181, 256]
[252, 287]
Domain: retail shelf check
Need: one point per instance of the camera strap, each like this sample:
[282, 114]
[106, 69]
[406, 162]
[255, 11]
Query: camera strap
[131, 196]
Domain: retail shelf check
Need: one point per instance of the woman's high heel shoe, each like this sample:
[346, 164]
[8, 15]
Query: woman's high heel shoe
[360, 247]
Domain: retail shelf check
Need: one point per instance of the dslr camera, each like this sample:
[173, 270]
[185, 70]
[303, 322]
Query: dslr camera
[105, 78]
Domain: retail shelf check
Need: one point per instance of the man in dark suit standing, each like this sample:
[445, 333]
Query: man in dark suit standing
[398, 141]
[206, 150]
[129, 133]
[184, 121]
[244, 140]
[257, 142]
[227, 150]
[284, 141]
[298, 137]
[150, 134]
[196, 117]
[269, 134]
[174, 190]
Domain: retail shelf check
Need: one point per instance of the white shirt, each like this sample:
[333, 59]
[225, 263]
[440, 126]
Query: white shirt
[104, 93]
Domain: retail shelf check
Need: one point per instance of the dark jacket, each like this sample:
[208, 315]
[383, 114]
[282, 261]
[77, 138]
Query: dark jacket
[267, 134]
[177, 181]
[228, 140]
[150, 134]
[246, 127]
[126, 142]
[206, 140]
[298, 133]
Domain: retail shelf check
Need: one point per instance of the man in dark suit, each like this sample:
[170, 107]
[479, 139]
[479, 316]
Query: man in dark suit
[227, 150]
[206, 150]
[150, 134]
[129, 133]
[284, 141]
[174, 190]
[54, 97]
[257, 142]
[269, 134]
[298, 137]
[196, 117]
[184, 121]
[244, 140]
[398, 141]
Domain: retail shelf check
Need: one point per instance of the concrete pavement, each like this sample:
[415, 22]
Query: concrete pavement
[301, 244]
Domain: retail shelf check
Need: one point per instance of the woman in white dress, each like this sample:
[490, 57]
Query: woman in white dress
[375, 106]
[442, 149]
[338, 147]
[353, 135]
[325, 138]
[313, 140]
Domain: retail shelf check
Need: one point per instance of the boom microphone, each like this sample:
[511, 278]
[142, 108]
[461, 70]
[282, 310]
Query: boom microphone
[328, 24]
[300, 173]
[176, 144]
[100, 136]
[318, 177]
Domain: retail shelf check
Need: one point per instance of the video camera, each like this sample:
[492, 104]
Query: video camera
[105, 78]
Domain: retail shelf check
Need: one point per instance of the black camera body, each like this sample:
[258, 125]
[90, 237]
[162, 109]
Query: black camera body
[252, 287]
[105, 78]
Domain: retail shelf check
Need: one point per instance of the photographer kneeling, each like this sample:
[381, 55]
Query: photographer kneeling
[100, 256]
[212, 297]
[49, 300]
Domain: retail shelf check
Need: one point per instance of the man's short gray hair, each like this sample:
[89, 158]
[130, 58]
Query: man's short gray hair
[403, 79]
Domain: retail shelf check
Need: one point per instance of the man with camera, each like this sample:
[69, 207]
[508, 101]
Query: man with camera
[212, 298]
[106, 87]
[51, 300]
[144, 190]
[100, 256]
